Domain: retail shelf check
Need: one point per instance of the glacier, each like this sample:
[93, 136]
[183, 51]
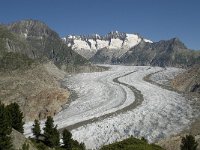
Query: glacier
[159, 114]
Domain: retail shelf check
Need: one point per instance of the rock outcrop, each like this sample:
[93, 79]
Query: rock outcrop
[189, 81]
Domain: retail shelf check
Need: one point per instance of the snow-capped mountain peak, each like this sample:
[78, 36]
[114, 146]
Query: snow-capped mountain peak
[116, 41]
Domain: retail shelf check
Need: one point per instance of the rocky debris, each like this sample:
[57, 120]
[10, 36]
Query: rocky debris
[47, 102]
[188, 81]
[18, 139]
[174, 142]
[37, 90]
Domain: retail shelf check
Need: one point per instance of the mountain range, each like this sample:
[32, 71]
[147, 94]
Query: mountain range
[36, 40]
[89, 45]
[132, 49]
[44, 42]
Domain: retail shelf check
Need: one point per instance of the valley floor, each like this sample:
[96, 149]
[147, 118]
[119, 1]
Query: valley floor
[114, 104]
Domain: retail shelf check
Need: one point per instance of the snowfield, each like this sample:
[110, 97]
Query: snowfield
[159, 113]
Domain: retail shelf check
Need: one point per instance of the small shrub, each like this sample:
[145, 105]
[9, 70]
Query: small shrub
[189, 143]
[25, 146]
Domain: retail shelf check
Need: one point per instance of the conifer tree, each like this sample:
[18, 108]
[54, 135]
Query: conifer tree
[36, 129]
[5, 129]
[51, 133]
[56, 137]
[67, 141]
[16, 117]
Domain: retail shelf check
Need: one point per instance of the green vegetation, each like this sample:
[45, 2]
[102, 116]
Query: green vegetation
[10, 117]
[51, 133]
[51, 137]
[131, 144]
[5, 128]
[77, 146]
[13, 61]
[39, 145]
[25, 146]
[16, 117]
[36, 129]
[14, 51]
[189, 143]
[67, 139]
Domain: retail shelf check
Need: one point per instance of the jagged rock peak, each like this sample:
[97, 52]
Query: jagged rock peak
[115, 41]
[108, 36]
[176, 42]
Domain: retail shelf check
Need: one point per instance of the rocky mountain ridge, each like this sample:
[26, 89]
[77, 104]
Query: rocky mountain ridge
[89, 45]
[163, 53]
[132, 49]
[44, 43]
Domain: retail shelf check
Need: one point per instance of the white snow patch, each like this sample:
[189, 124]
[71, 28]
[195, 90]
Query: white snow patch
[64, 39]
[148, 41]
[102, 44]
[80, 44]
[25, 35]
[93, 44]
[131, 41]
[69, 44]
[115, 44]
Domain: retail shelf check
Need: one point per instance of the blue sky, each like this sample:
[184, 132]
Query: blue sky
[153, 19]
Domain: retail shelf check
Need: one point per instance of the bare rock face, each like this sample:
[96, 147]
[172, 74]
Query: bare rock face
[36, 90]
[188, 81]
[18, 139]
[163, 53]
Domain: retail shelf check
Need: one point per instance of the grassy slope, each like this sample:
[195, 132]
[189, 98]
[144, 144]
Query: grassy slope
[12, 61]
[131, 144]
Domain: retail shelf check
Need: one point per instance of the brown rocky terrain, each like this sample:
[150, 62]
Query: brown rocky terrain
[36, 90]
[188, 81]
